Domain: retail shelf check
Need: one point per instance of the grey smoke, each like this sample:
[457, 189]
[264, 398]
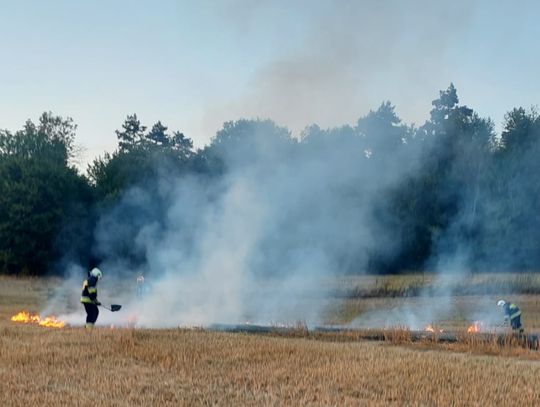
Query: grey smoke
[260, 243]
[349, 56]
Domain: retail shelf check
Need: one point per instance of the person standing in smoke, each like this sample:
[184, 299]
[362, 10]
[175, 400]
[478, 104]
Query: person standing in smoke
[89, 297]
[513, 314]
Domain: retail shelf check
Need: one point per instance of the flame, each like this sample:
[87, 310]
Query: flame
[27, 318]
[475, 327]
[430, 328]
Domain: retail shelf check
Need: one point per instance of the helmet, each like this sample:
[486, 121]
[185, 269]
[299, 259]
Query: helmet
[96, 273]
[501, 303]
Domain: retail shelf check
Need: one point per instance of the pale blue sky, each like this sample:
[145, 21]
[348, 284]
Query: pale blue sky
[195, 64]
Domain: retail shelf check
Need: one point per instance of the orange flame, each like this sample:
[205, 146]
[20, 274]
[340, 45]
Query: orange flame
[475, 327]
[26, 318]
[430, 328]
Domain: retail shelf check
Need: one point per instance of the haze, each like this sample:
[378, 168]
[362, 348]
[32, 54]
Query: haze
[194, 65]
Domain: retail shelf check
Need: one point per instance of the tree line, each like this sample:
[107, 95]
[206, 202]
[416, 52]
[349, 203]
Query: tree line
[472, 195]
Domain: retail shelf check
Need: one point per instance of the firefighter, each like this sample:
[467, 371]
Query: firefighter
[89, 297]
[512, 313]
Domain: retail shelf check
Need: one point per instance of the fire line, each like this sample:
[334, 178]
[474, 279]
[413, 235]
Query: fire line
[49, 321]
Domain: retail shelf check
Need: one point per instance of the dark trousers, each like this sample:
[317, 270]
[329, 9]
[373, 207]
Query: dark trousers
[516, 322]
[92, 313]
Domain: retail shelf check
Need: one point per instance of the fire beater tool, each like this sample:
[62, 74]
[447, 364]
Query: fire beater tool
[113, 308]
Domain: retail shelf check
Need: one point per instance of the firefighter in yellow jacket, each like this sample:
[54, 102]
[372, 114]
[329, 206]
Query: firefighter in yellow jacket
[89, 297]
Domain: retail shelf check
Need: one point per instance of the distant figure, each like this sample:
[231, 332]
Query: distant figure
[89, 297]
[512, 313]
[140, 286]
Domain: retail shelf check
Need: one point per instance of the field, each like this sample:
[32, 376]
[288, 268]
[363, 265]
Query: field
[126, 367]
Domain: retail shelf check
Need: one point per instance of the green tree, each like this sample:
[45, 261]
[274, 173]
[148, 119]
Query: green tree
[519, 132]
[440, 208]
[140, 158]
[383, 130]
[512, 229]
[244, 140]
[40, 193]
[131, 135]
[157, 136]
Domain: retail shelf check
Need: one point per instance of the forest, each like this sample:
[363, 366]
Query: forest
[380, 196]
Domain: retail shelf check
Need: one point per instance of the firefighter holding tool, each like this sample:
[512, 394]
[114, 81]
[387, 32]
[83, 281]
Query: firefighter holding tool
[89, 297]
[512, 313]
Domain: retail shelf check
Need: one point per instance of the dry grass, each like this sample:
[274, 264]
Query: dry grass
[415, 284]
[64, 367]
[179, 367]
[462, 307]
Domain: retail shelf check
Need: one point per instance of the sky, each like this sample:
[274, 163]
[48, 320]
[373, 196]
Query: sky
[196, 64]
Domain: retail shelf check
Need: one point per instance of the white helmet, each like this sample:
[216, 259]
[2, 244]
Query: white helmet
[501, 303]
[96, 273]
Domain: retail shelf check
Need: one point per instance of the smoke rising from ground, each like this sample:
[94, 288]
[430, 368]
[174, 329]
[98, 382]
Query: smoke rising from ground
[260, 239]
[259, 243]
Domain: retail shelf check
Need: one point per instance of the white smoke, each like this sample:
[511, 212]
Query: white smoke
[257, 244]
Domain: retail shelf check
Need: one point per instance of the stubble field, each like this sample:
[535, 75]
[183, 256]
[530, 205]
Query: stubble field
[126, 367]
